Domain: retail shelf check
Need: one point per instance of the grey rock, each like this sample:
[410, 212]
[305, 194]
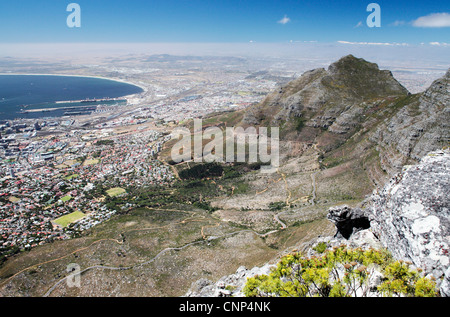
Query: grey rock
[420, 126]
[411, 214]
[445, 285]
[230, 285]
[348, 220]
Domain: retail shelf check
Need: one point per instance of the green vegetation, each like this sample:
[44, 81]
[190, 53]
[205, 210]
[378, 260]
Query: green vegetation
[113, 192]
[274, 206]
[66, 220]
[104, 142]
[299, 123]
[321, 247]
[401, 280]
[70, 177]
[197, 186]
[340, 272]
[66, 198]
[202, 171]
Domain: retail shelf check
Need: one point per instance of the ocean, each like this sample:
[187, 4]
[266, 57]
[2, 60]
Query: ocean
[21, 93]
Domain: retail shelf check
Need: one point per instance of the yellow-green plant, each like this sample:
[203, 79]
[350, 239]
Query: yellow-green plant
[401, 280]
[340, 272]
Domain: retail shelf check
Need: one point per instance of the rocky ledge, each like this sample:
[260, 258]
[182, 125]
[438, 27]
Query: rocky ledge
[410, 217]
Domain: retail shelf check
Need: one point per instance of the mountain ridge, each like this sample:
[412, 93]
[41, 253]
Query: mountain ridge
[353, 98]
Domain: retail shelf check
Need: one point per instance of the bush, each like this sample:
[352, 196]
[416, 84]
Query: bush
[320, 247]
[340, 272]
[277, 205]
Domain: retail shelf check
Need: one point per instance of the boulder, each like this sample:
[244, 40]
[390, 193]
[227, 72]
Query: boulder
[347, 220]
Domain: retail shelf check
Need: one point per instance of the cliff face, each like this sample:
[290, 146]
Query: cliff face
[411, 214]
[421, 125]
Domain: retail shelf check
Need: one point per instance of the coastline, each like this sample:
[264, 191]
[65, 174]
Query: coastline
[83, 76]
[130, 99]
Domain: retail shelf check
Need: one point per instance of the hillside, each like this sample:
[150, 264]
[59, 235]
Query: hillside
[344, 131]
[408, 217]
[355, 112]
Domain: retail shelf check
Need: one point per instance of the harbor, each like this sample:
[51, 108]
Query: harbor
[84, 106]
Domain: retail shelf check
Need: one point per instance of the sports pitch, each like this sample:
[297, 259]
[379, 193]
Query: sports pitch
[66, 220]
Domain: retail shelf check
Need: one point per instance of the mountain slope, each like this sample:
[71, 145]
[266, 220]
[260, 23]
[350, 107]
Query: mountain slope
[334, 99]
[421, 125]
[344, 131]
[354, 110]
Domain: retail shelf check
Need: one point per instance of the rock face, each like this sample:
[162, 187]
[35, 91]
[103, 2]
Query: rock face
[421, 125]
[410, 217]
[348, 221]
[445, 285]
[230, 285]
[411, 214]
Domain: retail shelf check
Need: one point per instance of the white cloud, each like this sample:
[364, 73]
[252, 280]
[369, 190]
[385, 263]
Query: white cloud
[439, 44]
[373, 43]
[284, 20]
[434, 20]
[359, 24]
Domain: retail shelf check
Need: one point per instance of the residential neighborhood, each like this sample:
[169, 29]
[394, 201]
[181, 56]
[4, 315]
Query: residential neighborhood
[44, 180]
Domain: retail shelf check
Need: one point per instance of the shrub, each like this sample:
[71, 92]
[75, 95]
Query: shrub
[340, 272]
[320, 247]
[277, 205]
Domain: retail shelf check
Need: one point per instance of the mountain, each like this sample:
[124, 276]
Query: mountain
[354, 110]
[335, 99]
[364, 123]
[421, 125]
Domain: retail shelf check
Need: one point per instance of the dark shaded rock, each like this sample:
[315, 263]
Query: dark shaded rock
[347, 220]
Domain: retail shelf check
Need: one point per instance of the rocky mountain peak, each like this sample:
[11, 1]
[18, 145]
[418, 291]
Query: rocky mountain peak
[322, 96]
[363, 79]
[351, 63]
[438, 92]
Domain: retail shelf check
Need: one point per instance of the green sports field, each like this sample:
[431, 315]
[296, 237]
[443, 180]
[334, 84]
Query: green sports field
[66, 220]
[66, 198]
[115, 191]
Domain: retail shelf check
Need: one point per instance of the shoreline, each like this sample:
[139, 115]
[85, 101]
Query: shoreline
[128, 98]
[83, 76]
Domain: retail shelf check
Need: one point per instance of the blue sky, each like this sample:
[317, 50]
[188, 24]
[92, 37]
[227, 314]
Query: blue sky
[224, 21]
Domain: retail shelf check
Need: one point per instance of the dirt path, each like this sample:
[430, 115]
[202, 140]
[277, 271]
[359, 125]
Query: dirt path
[313, 179]
[188, 219]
